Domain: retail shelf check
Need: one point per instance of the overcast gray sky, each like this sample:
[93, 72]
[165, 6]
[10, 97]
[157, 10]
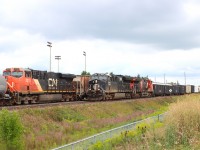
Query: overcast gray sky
[129, 37]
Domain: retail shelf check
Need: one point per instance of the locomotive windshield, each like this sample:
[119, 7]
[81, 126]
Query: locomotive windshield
[100, 77]
[6, 73]
[17, 74]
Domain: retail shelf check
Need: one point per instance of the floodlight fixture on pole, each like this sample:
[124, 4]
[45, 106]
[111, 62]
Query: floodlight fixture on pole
[49, 45]
[58, 58]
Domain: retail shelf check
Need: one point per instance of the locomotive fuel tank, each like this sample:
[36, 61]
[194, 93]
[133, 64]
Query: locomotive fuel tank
[3, 86]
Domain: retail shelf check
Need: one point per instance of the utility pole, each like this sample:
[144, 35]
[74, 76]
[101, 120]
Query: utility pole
[185, 77]
[58, 58]
[164, 78]
[84, 54]
[49, 45]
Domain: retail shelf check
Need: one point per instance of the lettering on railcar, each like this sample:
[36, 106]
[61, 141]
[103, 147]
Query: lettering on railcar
[52, 82]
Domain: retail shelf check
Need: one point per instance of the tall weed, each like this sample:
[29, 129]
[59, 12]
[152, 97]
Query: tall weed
[11, 130]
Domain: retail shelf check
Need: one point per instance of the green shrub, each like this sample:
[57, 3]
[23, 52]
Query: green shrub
[11, 130]
[61, 114]
[170, 136]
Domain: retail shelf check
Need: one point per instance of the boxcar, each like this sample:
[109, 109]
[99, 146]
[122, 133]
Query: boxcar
[175, 89]
[182, 89]
[168, 89]
[192, 88]
[158, 89]
[188, 89]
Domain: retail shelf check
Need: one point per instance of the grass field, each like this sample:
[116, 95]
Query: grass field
[180, 130]
[46, 128]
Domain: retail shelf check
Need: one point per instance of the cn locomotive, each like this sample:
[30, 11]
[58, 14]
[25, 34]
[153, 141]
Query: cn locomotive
[32, 86]
[105, 86]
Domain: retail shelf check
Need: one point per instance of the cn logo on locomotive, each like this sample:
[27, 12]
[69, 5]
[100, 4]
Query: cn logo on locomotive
[11, 85]
[52, 82]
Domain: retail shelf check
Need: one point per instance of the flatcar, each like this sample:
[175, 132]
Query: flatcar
[32, 86]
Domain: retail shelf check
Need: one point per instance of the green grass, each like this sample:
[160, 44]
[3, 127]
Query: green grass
[46, 128]
[180, 129]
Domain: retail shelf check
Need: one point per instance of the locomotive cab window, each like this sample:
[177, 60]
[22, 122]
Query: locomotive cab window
[28, 74]
[17, 74]
[6, 73]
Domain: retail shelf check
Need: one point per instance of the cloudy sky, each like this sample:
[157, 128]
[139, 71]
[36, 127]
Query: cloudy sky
[148, 37]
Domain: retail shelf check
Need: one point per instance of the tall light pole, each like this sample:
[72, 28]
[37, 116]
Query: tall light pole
[84, 54]
[58, 58]
[49, 45]
[185, 77]
[164, 78]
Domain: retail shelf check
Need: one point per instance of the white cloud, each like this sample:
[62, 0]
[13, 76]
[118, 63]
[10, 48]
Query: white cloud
[191, 8]
[125, 37]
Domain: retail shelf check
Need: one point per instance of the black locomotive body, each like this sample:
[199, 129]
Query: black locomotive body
[55, 86]
[104, 86]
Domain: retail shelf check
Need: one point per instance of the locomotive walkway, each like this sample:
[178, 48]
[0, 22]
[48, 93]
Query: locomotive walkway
[103, 136]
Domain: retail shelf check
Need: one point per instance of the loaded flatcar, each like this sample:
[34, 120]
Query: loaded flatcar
[31, 86]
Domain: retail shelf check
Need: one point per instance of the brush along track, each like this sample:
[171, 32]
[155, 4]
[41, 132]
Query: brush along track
[40, 105]
[52, 104]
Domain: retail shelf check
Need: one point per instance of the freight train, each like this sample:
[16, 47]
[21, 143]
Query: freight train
[25, 85]
[104, 86]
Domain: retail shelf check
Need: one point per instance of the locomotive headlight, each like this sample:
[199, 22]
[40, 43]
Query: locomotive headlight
[95, 81]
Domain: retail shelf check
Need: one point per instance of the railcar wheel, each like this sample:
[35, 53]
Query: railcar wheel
[2, 103]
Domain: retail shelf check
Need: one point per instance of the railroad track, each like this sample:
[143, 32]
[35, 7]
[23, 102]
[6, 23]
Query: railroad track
[40, 105]
[52, 104]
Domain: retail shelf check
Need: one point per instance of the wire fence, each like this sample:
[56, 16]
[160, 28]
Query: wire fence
[89, 141]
